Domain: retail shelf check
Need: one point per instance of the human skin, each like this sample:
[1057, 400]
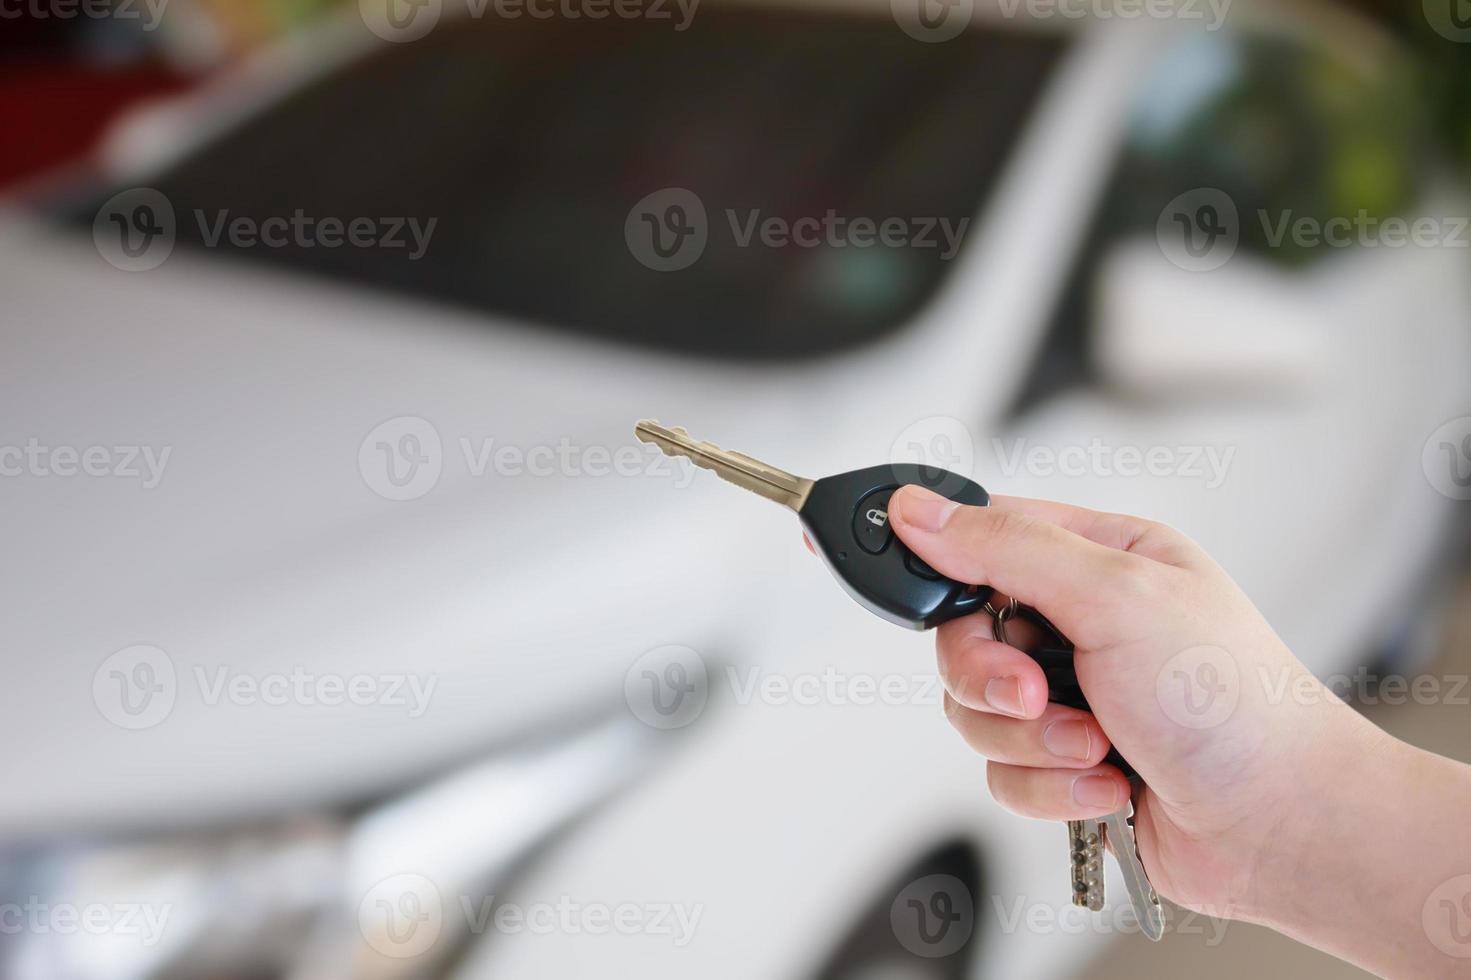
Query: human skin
[1265, 798]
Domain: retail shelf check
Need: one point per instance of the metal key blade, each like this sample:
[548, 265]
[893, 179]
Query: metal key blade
[1147, 909]
[751, 474]
[1085, 853]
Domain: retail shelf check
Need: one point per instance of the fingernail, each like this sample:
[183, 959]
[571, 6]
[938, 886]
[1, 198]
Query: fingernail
[922, 508]
[1005, 695]
[1096, 791]
[1068, 739]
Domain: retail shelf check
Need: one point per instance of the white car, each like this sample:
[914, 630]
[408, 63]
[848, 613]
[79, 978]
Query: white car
[351, 632]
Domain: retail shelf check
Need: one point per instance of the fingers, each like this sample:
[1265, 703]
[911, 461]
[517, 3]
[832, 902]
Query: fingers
[1040, 563]
[1121, 532]
[1057, 794]
[1061, 737]
[984, 675]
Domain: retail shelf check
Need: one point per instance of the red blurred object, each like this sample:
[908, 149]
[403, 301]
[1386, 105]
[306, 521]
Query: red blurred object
[52, 114]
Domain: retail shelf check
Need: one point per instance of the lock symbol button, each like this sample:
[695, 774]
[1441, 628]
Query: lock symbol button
[871, 528]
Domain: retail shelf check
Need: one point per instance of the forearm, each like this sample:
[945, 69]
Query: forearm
[1374, 864]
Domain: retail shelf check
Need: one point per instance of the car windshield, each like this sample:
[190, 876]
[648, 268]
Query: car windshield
[531, 144]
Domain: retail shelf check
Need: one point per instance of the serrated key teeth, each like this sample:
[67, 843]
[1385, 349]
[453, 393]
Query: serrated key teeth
[745, 472]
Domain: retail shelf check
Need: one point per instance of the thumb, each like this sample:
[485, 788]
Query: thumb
[1071, 579]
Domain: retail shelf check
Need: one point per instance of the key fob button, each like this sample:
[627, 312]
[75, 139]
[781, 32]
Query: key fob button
[871, 528]
[916, 565]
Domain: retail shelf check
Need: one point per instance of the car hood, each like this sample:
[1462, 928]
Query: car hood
[239, 518]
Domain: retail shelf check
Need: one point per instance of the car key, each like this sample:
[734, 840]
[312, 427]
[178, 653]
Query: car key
[846, 520]
[1087, 838]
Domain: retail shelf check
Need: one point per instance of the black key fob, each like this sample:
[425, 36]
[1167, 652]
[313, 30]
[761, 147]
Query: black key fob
[846, 518]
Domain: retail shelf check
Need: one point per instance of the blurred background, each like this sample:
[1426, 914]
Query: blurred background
[350, 631]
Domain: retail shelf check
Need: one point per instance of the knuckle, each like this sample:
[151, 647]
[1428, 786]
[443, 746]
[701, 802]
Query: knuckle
[1005, 525]
[952, 638]
[996, 783]
[966, 688]
[1135, 579]
[1160, 541]
[1157, 536]
[950, 661]
[1008, 786]
[955, 713]
[982, 734]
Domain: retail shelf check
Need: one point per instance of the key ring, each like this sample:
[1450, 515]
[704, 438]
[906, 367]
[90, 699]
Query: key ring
[1015, 610]
[1000, 616]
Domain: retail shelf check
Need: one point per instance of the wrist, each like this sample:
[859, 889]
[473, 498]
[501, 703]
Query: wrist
[1326, 807]
[1373, 827]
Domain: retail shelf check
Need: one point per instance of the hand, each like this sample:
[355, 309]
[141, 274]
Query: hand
[1183, 674]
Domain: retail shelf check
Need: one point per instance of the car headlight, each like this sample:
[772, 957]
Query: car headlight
[367, 894]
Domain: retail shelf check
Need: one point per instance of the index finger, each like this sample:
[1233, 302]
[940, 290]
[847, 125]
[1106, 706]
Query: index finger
[1067, 576]
[1120, 531]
